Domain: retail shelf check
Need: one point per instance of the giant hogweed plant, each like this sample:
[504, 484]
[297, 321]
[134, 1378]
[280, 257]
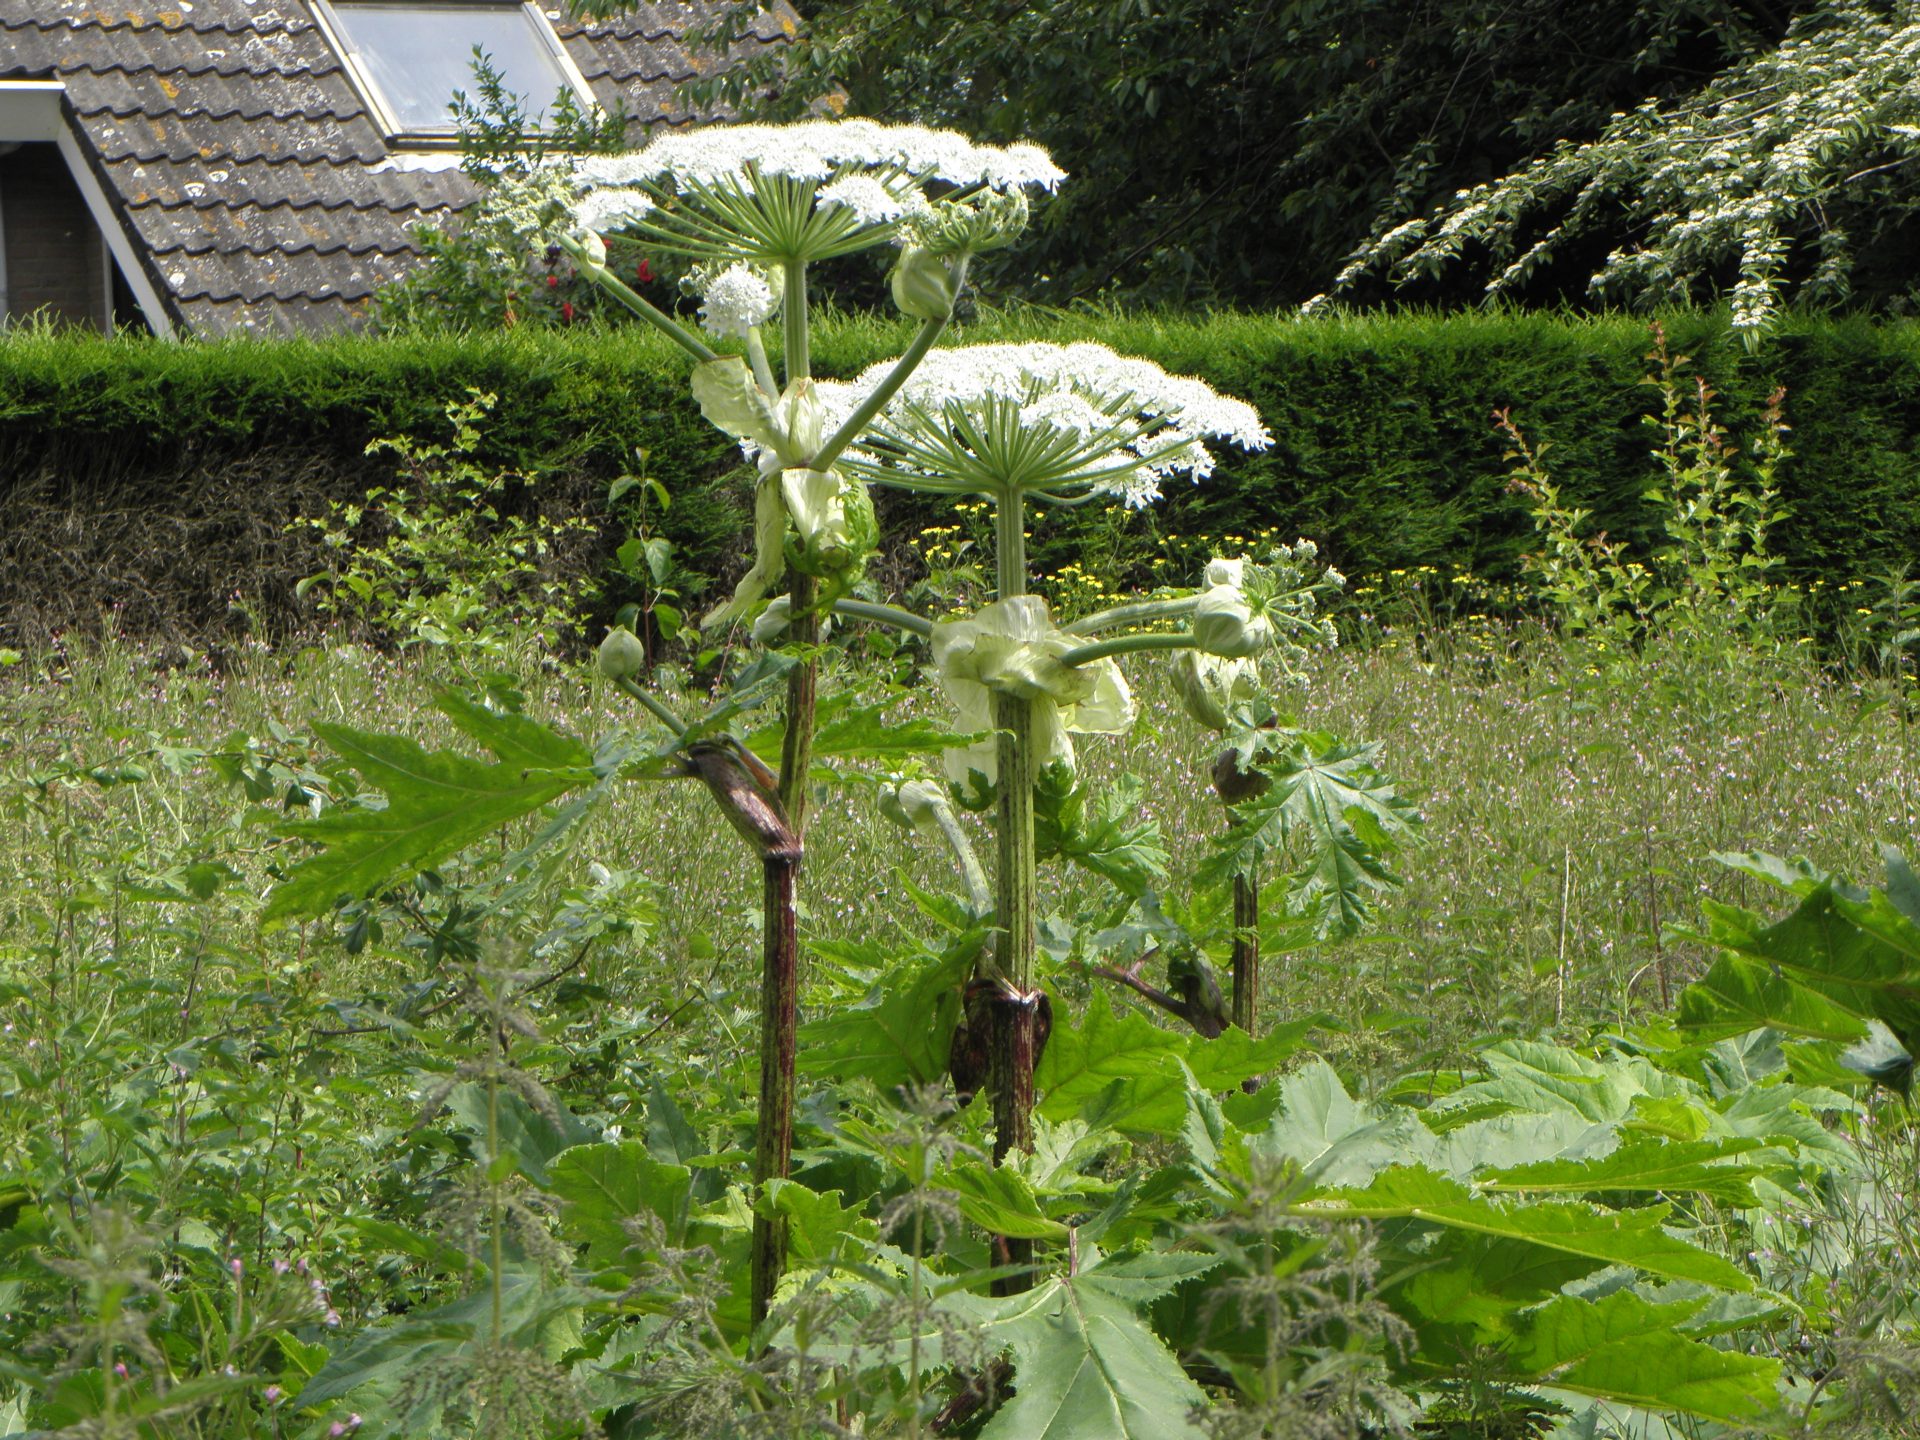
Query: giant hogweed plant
[1577, 1247]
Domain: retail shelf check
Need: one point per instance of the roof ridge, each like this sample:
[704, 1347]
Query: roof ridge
[302, 247]
[358, 206]
[210, 67]
[142, 22]
[206, 112]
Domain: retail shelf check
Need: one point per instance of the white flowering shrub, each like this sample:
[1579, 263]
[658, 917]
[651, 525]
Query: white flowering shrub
[1799, 148]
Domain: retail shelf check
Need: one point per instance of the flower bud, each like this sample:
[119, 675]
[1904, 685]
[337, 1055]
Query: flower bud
[914, 805]
[590, 241]
[922, 285]
[1224, 624]
[1208, 685]
[622, 656]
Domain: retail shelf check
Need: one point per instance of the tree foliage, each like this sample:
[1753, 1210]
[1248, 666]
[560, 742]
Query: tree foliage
[1801, 162]
[1225, 149]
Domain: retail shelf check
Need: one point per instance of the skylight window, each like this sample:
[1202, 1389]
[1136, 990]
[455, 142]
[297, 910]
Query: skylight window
[410, 58]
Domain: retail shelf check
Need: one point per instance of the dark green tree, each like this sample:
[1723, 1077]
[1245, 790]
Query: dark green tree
[1240, 150]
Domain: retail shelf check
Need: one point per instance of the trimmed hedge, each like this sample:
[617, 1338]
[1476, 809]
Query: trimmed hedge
[159, 478]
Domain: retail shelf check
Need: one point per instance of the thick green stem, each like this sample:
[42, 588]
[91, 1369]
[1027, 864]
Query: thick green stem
[979, 893]
[884, 615]
[762, 371]
[798, 359]
[638, 304]
[1010, 544]
[1246, 953]
[1125, 645]
[1012, 1038]
[796, 751]
[779, 1010]
[1143, 612]
[659, 711]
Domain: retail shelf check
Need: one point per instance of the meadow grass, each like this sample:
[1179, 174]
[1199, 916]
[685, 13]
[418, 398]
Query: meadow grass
[1571, 816]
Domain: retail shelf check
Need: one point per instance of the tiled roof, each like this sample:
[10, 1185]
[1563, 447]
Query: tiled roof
[262, 194]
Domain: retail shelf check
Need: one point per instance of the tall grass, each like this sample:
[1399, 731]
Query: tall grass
[1573, 817]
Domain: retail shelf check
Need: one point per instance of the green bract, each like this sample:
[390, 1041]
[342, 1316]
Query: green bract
[1012, 648]
[769, 554]
[922, 286]
[832, 518]
[1210, 686]
[1224, 624]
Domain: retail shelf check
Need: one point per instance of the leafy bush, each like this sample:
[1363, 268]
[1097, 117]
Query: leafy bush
[160, 477]
[431, 560]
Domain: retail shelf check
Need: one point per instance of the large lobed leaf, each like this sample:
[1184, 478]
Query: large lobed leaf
[437, 803]
[1328, 802]
[1135, 1074]
[1085, 1365]
[1624, 1349]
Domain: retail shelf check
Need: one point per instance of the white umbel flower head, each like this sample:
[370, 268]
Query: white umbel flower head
[604, 210]
[870, 199]
[810, 191]
[1117, 423]
[736, 300]
[825, 151]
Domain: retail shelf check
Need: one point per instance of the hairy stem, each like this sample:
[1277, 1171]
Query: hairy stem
[909, 361]
[1011, 1038]
[1246, 953]
[796, 751]
[1142, 612]
[1125, 645]
[762, 371]
[659, 711]
[773, 1145]
[884, 615]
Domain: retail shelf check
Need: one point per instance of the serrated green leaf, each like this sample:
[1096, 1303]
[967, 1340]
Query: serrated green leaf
[900, 1032]
[438, 803]
[514, 738]
[1616, 1237]
[1325, 798]
[1333, 1139]
[1623, 1349]
[1139, 1280]
[1107, 837]
[1736, 996]
[818, 1226]
[848, 730]
[1640, 1164]
[1138, 1072]
[602, 1186]
[1085, 1367]
[1000, 1200]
